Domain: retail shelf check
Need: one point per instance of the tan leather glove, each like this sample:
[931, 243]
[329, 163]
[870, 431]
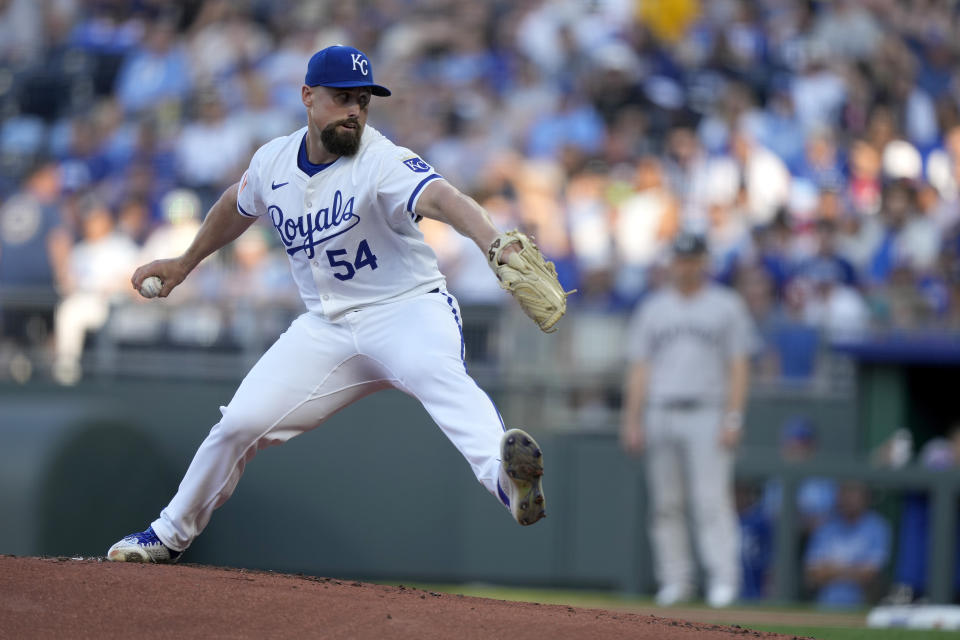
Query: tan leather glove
[530, 279]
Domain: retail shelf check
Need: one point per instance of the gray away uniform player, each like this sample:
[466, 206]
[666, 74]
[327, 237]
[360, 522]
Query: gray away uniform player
[688, 347]
[345, 202]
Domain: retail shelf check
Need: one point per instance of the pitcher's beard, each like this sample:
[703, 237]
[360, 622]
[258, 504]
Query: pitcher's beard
[341, 142]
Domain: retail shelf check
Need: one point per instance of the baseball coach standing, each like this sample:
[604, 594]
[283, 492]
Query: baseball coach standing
[683, 406]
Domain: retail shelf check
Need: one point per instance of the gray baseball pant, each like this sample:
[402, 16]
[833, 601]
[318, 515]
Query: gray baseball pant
[686, 462]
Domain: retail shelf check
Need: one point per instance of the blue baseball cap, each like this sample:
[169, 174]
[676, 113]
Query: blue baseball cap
[798, 429]
[688, 243]
[340, 66]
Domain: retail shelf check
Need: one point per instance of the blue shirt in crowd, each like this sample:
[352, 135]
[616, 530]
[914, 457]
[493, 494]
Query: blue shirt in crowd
[756, 552]
[815, 498]
[863, 543]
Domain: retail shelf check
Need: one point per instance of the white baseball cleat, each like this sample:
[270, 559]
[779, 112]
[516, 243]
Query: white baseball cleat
[142, 547]
[721, 595]
[671, 594]
[521, 467]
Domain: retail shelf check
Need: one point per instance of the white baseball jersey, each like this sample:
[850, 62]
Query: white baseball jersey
[349, 227]
[364, 271]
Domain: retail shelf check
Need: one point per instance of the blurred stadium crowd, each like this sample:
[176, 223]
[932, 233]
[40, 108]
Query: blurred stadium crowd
[815, 143]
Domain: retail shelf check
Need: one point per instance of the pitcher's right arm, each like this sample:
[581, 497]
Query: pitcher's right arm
[222, 225]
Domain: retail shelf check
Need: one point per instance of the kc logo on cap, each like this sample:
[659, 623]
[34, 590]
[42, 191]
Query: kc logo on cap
[340, 66]
[359, 61]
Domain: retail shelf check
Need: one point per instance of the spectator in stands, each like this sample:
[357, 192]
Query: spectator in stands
[900, 302]
[145, 169]
[260, 273]
[754, 171]
[83, 163]
[575, 123]
[906, 238]
[729, 235]
[943, 173]
[256, 288]
[538, 185]
[838, 310]
[755, 286]
[780, 131]
[258, 119]
[772, 250]
[181, 210]
[795, 342]
[133, 220]
[846, 556]
[910, 571]
[465, 147]
[592, 235]
[464, 267]
[205, 172]
[98, 270]
[822, 166]
[828, 256]
[864, 182]
[816, 497]
[159, 71]
[21, 31]
[849, 30]
[221, 40]
[756, 543]
[818, 90]
[33, 245]
[687, 172]
[645, 223]
[181, 219]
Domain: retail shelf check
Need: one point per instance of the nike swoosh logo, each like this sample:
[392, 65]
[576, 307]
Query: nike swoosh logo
[275, 186]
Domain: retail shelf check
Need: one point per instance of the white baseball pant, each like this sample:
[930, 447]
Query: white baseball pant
[685, 460]
[319, 366]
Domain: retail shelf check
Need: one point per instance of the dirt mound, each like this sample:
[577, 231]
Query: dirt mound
[90, 598]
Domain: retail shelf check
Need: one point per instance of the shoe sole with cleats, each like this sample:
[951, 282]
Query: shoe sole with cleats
[522, 460]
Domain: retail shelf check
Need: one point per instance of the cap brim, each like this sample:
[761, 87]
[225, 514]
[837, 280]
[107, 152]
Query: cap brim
[375, 89]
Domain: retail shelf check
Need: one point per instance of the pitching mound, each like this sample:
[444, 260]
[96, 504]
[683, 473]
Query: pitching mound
[90, 598]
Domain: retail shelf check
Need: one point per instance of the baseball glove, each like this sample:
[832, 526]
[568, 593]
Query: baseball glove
[530, 279]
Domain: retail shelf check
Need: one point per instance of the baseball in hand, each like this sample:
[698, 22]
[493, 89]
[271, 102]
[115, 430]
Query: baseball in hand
[150, 287]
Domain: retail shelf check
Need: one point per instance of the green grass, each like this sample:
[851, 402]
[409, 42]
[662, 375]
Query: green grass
[595, 599]
[848, 625]
[835, 633]
[571, 597]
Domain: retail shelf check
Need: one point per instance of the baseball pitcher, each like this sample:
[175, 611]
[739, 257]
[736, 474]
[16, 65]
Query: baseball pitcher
[345, 202]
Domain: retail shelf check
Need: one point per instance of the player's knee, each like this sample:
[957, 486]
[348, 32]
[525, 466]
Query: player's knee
[238, 429]
[441, 376]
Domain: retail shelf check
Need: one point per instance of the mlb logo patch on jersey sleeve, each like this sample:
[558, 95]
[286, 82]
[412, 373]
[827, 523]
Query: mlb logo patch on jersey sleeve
[417, 165]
